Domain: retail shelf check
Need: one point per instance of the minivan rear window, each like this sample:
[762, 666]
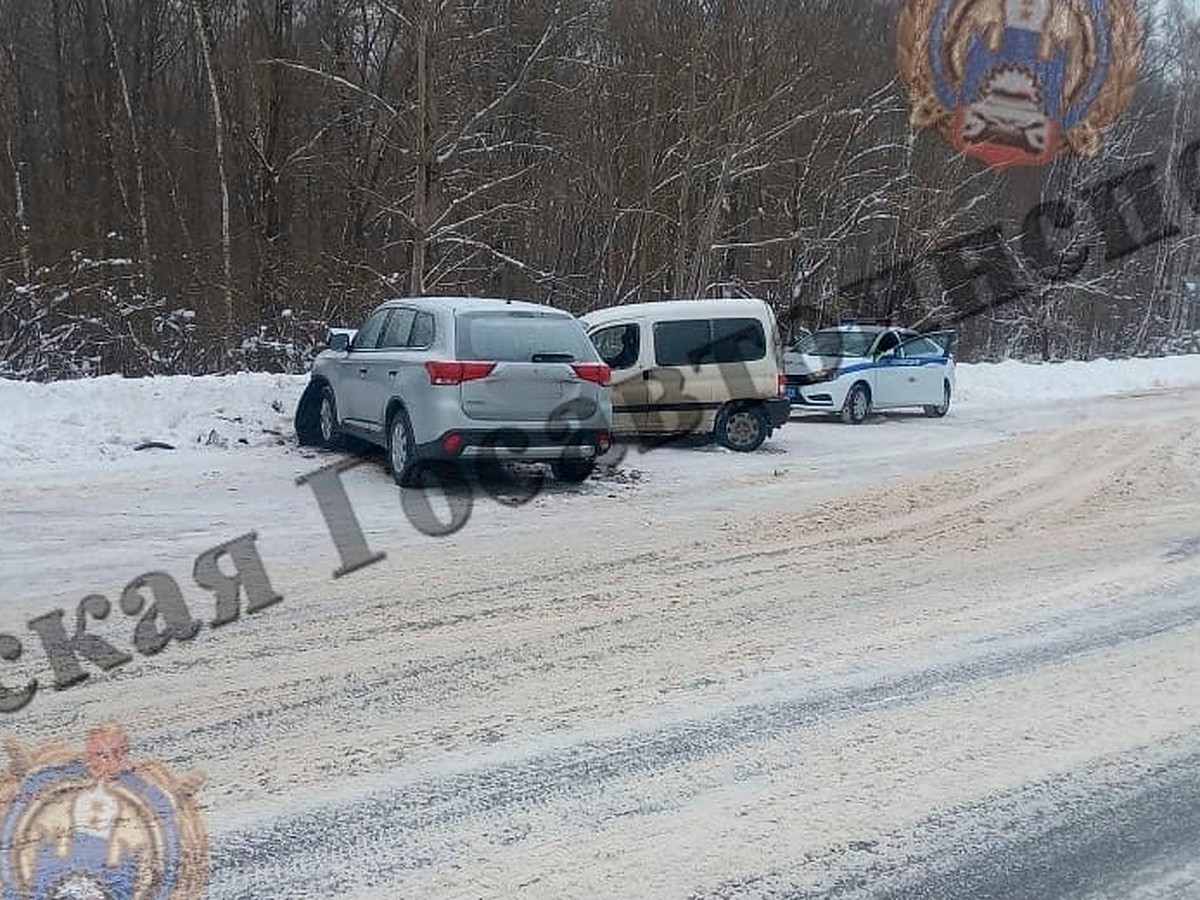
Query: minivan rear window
[694, 342]
[522, 336]
[738, 340]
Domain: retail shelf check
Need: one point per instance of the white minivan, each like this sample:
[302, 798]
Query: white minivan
[700, 367]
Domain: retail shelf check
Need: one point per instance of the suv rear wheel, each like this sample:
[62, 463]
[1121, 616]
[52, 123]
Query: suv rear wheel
[401, 461]
[741, 428]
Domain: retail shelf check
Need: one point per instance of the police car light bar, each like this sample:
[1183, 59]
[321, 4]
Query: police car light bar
[893, 321]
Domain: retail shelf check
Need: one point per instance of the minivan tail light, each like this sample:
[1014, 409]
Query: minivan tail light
[782, 384]
[598, 373]
[458, 372]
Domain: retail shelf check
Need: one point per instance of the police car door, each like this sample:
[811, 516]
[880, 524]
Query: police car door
[891, 383]
[925, 359]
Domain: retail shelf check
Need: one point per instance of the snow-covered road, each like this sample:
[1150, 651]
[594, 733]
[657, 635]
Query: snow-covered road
[916, 659]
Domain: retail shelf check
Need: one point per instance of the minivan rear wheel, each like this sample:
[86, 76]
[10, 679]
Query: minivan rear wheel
[741, 428]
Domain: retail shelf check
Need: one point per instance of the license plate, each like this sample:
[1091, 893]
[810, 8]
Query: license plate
[793, 392]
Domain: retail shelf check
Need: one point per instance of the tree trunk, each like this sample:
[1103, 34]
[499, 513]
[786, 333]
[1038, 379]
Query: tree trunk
[135, 141]
[204, 36]
[22, 221]
[62, 102]
[679, 287]
[276, 115]
[421, 187]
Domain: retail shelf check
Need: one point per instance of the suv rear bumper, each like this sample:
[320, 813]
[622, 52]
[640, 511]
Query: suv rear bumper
[517, 444]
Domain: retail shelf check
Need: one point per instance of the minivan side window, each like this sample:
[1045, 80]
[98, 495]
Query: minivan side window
[738, 340]
[695, 342]
[618, 345]
[684, 343]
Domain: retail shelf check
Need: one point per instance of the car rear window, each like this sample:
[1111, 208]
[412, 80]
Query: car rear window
[521, 336]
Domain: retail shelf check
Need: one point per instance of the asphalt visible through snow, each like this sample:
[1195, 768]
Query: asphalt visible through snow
[1141, 845]
[1136, 837]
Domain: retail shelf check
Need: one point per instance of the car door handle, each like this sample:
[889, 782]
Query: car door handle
[362, 372]
[392, 374]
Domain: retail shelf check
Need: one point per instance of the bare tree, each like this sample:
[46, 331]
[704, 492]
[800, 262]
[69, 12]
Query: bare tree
[135, 141]
[205, 39]
[575, 152]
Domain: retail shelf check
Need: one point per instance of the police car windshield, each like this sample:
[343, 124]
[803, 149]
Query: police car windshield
[837, 343]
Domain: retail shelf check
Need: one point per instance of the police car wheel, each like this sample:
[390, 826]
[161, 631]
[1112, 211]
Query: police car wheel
[857, 406]
[937, 412]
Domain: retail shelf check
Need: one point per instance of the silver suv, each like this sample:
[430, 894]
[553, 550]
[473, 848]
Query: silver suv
[442, 378]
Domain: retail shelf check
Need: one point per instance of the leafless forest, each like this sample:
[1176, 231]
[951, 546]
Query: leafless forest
[205, 185]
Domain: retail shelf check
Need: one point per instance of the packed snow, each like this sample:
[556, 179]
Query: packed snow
[94, 420]
[99, 419]
[895, 655]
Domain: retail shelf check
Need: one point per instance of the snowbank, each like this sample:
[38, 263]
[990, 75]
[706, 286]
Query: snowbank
[1019, 384]
[102, 418]
[107, 418]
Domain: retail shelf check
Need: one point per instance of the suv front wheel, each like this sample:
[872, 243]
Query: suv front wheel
[327, 420]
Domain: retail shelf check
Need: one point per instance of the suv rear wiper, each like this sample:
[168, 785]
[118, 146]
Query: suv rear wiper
[552, 358]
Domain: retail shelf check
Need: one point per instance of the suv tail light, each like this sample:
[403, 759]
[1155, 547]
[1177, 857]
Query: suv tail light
[598, 373]
[782, 384]
[458, 372]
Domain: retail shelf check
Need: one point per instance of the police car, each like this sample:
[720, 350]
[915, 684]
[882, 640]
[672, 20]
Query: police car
[857, 368]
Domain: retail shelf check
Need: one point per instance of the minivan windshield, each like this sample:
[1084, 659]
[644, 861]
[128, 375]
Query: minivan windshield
[522, 336]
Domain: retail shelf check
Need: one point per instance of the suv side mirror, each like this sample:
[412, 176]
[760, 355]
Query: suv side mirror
[339, 341]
